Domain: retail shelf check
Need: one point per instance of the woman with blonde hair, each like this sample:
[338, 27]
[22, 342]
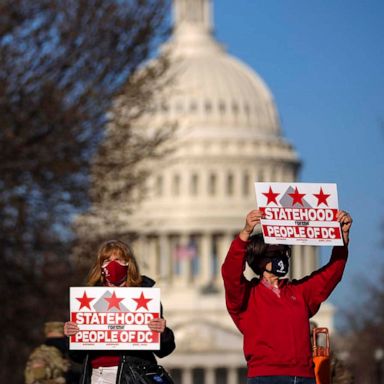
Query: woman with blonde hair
[116, 266]
[115, 250]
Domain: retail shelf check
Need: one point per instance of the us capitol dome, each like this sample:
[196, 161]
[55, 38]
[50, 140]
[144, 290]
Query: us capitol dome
[228, 136]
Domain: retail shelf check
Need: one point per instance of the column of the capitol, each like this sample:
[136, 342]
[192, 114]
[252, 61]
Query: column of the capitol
[186, 376]
[206, 259]
[223, 243]
[209, 375]
[182, 279]
[165, 256]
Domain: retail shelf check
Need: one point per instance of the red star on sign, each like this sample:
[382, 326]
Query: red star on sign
[271, 196]
[142, 302]
[114, 301]
[85, 300]
[321, 197]
[297, 198]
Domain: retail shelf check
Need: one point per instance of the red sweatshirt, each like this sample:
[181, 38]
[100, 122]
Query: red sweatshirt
[275, 322]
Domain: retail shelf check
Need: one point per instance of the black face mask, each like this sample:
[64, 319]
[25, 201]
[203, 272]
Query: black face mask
[280, 265]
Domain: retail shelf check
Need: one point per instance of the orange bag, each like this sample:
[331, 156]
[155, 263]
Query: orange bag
[321, 356]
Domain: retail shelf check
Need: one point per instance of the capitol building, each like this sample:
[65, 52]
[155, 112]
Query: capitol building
[228, 136]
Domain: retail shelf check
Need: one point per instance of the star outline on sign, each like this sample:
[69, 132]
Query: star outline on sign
[271, 196]
[321, 197]
[114, 301]
[85, 301]
[297, 197]
[141, 301]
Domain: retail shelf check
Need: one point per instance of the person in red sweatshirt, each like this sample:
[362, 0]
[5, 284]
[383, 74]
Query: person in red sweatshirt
[272, 312]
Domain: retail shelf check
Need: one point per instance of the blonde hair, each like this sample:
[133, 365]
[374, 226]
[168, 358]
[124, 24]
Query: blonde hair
[108, 248]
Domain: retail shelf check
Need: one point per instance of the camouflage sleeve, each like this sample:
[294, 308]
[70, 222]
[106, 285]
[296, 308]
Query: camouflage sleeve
[46, 365]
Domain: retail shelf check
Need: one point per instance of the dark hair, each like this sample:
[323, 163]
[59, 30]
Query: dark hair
[258, 254]
[254, 253]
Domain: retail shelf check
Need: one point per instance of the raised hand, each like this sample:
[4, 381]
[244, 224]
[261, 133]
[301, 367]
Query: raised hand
[345, 220]
[252, 219]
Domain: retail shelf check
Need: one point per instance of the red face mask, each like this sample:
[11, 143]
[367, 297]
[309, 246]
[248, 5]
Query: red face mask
[115, 273]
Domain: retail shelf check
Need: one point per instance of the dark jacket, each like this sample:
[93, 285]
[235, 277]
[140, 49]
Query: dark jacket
[167, 346]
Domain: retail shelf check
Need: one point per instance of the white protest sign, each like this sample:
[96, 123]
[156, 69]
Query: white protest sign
[114, 318]
[299, 213]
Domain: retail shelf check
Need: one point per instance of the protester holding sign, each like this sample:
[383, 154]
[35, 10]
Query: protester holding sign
[116, 266]
[272, 313]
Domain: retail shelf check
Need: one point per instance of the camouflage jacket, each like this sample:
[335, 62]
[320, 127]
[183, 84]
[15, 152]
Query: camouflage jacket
[46, 365]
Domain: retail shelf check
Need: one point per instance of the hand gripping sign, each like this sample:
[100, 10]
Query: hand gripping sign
[299, 213]
[114, 318]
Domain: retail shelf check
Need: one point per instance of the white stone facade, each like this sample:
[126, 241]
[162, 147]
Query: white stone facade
[228, 137]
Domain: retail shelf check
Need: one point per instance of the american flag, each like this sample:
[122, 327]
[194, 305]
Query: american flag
[185, 252]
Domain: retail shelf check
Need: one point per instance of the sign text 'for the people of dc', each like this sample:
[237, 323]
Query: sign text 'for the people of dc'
[299, 213]
[114, 318]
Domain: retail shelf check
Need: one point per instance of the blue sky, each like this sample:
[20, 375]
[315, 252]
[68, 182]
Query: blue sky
[324, 63]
